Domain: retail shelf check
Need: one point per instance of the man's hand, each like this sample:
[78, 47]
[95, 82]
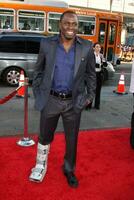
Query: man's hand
[88, 102]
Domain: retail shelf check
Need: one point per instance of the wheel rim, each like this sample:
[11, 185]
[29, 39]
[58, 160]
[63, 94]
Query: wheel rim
[13, 77]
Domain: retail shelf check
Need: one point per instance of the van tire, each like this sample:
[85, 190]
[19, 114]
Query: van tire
[11, 76]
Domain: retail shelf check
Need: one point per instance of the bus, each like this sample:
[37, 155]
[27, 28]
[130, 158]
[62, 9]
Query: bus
[97, 26]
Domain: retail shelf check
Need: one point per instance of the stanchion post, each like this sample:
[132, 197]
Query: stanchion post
[26, 141]
[26, 109]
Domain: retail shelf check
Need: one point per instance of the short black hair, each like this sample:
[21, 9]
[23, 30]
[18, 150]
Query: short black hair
[67, 12]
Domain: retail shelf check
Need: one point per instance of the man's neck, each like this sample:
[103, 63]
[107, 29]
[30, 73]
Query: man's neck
[67, 44]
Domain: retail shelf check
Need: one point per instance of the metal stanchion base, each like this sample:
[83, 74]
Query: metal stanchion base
[25, 142]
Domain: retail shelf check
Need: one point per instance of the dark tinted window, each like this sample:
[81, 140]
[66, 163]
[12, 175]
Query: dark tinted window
[112, 33]
[33, 44]
[102, 33]
[12, 44]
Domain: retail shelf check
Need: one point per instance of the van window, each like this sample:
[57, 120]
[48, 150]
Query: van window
[12, 44]
[33, 45]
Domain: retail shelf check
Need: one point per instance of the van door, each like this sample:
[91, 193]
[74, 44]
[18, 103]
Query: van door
[12, 57]
[107, 38]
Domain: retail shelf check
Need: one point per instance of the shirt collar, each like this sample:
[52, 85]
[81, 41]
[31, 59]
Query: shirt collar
[96, 54]
[57, 38]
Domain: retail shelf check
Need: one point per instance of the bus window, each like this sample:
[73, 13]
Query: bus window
[31, 20]
[102, 33]
[112, 32]
[6, 19]
[86, 25]
[53, 22]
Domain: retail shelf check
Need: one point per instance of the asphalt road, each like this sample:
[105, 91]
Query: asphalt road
[115, 110]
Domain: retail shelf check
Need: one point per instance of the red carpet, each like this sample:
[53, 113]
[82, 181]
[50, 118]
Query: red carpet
[105, 169]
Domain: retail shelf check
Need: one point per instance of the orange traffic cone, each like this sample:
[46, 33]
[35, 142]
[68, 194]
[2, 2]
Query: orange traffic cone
[21, 91]
[121, 86]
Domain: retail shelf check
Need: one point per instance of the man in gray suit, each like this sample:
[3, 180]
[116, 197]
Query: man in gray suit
[64, 63]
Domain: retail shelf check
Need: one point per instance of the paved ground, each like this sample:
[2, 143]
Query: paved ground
[115, 112]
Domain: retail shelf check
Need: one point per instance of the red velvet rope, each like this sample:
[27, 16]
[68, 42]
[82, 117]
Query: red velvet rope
[7, 98]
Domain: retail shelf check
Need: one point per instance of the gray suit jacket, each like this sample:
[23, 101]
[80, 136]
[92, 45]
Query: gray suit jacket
[84, 71]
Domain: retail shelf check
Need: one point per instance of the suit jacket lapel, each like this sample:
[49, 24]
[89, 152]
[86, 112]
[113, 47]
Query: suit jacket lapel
[78, 53]
[52, 57]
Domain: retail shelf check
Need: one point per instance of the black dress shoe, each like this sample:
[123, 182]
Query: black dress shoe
[71, 179]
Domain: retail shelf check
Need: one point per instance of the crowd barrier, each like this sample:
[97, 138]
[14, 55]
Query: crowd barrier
[25, 140]
[7, 98]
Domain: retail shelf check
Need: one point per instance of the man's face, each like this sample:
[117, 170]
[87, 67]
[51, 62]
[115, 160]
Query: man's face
[69, 26]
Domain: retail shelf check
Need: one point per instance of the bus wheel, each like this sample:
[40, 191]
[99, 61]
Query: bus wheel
[11, 76]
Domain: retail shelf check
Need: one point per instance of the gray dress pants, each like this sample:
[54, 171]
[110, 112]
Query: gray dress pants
[48, 122]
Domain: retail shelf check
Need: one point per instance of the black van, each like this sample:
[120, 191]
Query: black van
[18, 51]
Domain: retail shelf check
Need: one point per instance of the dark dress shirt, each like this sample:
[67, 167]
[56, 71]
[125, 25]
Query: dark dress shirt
[64, 69]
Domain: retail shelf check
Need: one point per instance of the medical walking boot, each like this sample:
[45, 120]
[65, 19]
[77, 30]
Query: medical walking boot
[40, 169]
